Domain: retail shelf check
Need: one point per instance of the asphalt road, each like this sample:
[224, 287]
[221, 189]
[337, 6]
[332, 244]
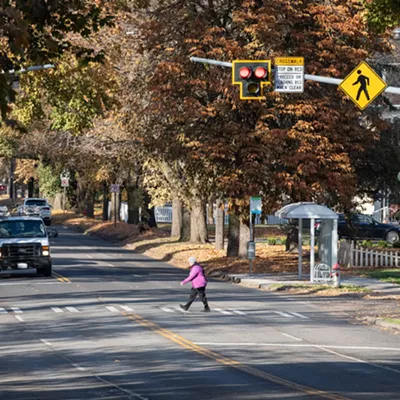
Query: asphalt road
[107, 325]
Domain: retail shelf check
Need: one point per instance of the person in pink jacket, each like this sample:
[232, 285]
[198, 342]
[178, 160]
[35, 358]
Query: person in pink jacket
[199, 283]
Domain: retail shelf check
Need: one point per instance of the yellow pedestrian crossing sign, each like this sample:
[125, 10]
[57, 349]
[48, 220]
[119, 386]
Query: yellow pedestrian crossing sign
[363, 85]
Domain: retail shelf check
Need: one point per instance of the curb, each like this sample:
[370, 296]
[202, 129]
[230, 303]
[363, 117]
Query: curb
[386, 324]
[244, 282]
[226, 277]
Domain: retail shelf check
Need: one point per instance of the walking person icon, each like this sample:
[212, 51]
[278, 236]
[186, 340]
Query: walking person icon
[364, 82]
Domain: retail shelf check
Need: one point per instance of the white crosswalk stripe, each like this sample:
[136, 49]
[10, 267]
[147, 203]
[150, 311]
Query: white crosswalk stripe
[238, 312]
[112, 309]
[290, 314]
[222, 311]
[299, 315]
[60, 310]
[166, 309]
[15, 310]
[181, 310]
[126, 308]
[72, 309]
[284, 314]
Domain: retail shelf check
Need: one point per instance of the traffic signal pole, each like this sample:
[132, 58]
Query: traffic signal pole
[316, 78]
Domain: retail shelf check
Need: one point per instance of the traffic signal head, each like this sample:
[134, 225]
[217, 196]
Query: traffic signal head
[252, 76]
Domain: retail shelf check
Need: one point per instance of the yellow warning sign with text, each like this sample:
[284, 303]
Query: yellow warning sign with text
[363, 85]
[289, 60]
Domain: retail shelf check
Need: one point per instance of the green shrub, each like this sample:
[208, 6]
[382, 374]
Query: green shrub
[396, 245]
[283, 241]
[272, 242]
[382, 243]
[366, 243]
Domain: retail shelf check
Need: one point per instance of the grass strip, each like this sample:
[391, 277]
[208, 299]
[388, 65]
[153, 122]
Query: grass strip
[386, 275]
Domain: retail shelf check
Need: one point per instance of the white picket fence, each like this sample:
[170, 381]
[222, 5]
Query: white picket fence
[359, 257]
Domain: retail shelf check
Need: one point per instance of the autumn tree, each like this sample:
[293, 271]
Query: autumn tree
[296, 147]
[383, 14]
[37, 32]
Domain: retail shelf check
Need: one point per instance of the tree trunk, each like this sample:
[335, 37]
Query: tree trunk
[198, 226]
[31, 187]
[185, 229]
[233, 236]
[219, 225]
[81, 196]
[89, 203]
[177, 217]
[244, 233]
[149, 214]
[105, 201]
[292, 240]
[115, 206]
[210, 206]
[134, 202]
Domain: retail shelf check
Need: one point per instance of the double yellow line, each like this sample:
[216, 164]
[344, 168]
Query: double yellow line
[60, 277]
[229, 361]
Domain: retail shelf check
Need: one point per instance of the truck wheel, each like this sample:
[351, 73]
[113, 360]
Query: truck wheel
[392, 237]
[46, 271]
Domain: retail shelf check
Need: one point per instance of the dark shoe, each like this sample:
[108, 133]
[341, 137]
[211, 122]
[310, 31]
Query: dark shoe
[183, 307]
[206, 310]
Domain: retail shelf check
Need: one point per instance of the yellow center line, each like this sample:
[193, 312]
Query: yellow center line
[60, 277]
[229, 361]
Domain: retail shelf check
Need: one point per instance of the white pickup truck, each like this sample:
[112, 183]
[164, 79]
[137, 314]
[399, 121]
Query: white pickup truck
[24, 244]
[32, 206]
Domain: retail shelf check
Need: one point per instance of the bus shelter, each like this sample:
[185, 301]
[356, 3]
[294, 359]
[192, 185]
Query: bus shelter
[328, 233]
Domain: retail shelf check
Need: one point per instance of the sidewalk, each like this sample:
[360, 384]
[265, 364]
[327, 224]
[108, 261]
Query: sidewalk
[267, 281]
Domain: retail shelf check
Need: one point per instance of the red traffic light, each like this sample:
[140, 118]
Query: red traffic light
[245, 72]
[260, 72]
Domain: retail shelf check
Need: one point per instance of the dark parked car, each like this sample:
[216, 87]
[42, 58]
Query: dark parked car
[365, 227]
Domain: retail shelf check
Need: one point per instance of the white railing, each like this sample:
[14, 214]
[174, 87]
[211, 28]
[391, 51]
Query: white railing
[163, 214]
[359, 257]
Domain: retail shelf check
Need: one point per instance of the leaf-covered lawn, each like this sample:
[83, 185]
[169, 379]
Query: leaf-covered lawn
[157, 243]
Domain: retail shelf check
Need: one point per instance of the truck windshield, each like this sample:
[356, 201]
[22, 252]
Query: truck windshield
[40, 203]
[22, 229]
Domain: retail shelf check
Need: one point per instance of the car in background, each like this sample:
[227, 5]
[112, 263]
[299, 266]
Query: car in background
[3, 189]
[24, 244]
[363, 226]
[37, 206]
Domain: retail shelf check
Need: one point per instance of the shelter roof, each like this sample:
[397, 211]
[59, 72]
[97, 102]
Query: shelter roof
[306, 210]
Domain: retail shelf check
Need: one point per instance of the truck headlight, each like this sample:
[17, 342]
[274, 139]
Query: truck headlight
[45, 250]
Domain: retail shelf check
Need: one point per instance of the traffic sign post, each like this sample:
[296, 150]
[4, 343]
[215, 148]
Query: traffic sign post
[308, 77]
[64, 176]
[255, 208]
[114, 188]
[363, 85]
[64, 182]
[289, 74]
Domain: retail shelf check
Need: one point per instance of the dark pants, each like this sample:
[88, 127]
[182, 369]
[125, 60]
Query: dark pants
[202, 294]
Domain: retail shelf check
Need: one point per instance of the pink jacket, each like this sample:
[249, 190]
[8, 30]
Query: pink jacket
[197, 277]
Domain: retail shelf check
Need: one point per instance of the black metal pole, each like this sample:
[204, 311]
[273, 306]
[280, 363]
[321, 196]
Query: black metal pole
[115, 209]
